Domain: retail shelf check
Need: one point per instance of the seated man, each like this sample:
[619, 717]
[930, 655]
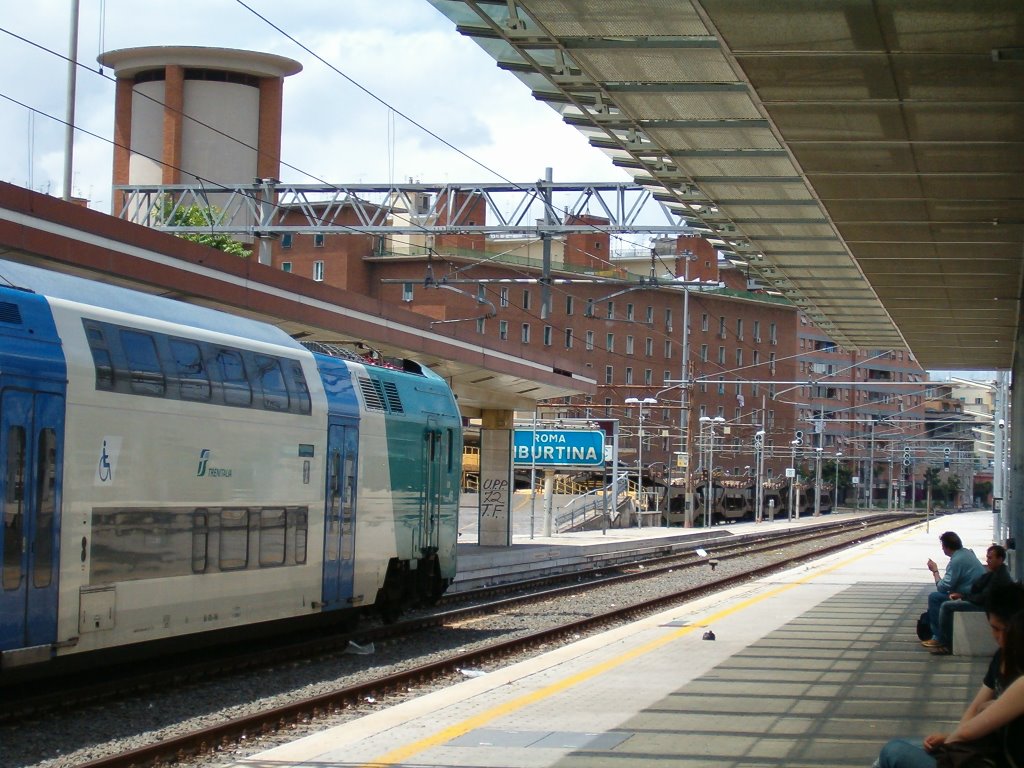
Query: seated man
[962, 571]
[996, 574]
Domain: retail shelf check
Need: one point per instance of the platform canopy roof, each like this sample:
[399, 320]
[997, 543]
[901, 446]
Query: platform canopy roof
[865, 156]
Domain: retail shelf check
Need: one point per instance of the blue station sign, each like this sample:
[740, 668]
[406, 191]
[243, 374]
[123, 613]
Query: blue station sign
[558, 447]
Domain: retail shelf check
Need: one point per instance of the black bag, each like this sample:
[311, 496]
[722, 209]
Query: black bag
[984, 753]
[924, 627]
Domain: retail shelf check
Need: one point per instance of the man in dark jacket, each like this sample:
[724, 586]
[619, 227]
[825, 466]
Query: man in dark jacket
[996, 574]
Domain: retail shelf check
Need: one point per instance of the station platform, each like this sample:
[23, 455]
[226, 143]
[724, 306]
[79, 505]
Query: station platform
[533, 555]
[816, 666]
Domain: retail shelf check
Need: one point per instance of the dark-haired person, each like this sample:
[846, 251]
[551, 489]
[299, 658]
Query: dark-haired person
[962, 571]
[996, 575]
[1006, 618]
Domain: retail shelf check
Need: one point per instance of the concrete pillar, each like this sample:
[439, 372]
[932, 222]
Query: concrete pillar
[495, 512]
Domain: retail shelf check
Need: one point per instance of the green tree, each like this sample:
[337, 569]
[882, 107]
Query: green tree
[947, 487]
[199, 216]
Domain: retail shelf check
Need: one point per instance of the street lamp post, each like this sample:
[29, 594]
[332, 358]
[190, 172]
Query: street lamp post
[835, 490]
[817, 481]
[759, 469]
[641, 495]
[709, 487]
[871, 468]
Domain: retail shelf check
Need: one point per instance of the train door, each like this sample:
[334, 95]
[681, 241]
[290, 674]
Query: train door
[435, 466]
[31, 426]
[340, 515]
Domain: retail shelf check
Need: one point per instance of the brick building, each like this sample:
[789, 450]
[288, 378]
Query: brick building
[750, 352]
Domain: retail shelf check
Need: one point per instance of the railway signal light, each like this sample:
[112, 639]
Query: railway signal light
[798, 438]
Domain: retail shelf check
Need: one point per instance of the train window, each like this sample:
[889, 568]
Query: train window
[275, 391]
[272, 530]
[237, 390]
[147, 378]
[234, 539]
[301, 517]
[100, 356]
[14, 481]
[200, 540]
[46, 476]
[193, 381]
[299, 383]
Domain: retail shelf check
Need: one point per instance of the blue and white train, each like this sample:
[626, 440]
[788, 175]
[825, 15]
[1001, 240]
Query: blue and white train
[168, 470]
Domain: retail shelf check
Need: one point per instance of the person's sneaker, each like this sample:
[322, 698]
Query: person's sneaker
[933, 643]
[939, 650]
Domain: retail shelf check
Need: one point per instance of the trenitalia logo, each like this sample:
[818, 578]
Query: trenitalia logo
[205, 470]
[204, 456]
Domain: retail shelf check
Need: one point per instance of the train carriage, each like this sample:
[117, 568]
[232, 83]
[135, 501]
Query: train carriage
[170, 470]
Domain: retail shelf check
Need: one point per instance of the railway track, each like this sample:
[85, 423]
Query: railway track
[231, 731]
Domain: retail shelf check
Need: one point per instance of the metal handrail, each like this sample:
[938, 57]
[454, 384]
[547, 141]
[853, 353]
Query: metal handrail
[591, 505]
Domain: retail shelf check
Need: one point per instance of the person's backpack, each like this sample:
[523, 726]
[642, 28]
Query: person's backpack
[924, 627]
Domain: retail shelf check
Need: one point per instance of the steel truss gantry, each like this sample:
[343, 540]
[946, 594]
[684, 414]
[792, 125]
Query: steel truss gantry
[270, 208]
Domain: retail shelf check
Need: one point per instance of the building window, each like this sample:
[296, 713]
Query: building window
[720, 411]
[650, 315]
[526, 333]
[721, 355]
[503, 330]
[629, 375]
[739, 358]
[568, 338]
[588, 311]
[407, 291]
[318, 240]
[649, 346]
[668, 319]
[568, 305]
[629, 311]
[286, 240]
[480, 327]
[771, 364]
[721, 385]
[648, 376]
[607, 406]
[547, 335]
[611, 310]
[721, 327]
[703, 411]
[590, 341]
[757, 357]
[286, 266]
[739, 329]
[757, 330]
[609, 342]
[318, 271]
[704, 322]
[503, 296]
[609, 374]
[668, 349]
[526, 299]
[629, 345]
[772, 338]
[703, 353]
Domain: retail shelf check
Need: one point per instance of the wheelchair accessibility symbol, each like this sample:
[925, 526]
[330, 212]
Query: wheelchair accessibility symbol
[106, 464]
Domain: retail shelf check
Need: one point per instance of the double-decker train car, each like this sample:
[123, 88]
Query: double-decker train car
[167, 470]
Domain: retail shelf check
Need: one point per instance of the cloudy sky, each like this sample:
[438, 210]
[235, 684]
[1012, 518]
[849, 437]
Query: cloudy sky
[402, 51]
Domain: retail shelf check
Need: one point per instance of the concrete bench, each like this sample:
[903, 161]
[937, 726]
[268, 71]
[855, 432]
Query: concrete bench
[972, 635]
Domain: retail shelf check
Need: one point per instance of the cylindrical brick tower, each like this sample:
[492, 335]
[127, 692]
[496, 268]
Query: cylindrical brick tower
[185, 112]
